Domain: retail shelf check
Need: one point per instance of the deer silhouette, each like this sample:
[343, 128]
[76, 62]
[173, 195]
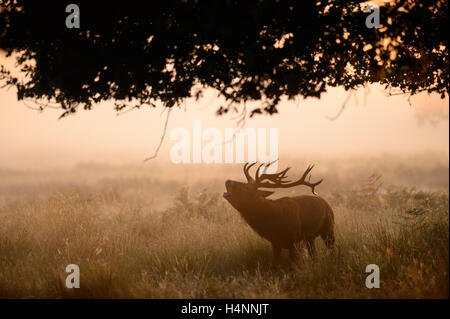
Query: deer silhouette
[287, 221]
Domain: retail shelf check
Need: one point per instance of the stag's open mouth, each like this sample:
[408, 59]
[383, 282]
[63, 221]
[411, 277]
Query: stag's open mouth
[227, 186]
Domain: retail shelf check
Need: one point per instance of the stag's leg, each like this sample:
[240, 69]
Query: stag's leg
[276, 254]
[293, 252]
[329, 239]
[311, 248]
[328, 231]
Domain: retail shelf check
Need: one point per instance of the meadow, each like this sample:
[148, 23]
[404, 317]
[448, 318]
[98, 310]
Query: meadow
[164, 231]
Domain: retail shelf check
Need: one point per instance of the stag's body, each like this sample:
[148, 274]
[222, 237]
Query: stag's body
[286, 221]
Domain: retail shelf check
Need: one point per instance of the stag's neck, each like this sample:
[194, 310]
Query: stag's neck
[259, 214]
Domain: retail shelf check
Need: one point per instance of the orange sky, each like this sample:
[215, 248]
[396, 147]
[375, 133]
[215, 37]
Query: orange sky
[34, 140]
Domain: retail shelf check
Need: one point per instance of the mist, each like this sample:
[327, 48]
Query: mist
[372, 123]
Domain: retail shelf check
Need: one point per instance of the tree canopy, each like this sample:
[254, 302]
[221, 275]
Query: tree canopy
[141, 52]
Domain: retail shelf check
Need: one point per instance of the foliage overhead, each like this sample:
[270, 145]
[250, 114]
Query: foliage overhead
[257, 50]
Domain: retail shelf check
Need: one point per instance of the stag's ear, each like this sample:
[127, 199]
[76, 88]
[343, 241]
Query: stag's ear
[264, 193]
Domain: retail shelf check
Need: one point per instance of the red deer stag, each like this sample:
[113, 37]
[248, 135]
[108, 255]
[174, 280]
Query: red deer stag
[286, 221]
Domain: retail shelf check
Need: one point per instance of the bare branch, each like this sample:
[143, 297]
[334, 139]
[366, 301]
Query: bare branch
[31, 107]
[332, 118]
[127, 111]
[366, 93]
[162, 137]
[241, 117]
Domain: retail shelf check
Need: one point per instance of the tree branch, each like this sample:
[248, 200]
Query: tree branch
[162, 138]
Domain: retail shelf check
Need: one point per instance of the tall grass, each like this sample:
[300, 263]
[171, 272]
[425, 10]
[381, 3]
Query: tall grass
[199, 247]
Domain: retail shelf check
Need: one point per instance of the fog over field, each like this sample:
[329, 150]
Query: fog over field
[164, 231]
[77, 191]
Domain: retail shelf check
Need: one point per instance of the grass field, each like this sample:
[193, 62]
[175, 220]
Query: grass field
[148, 233]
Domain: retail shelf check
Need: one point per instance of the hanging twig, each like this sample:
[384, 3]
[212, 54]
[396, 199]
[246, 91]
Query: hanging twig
[40, 106]
[127, 111]
[241, 117]
[208, 103]
[298, 103]
[162, 137]
[332, 118]
[232, 137]
[366, 93]
[31, 107]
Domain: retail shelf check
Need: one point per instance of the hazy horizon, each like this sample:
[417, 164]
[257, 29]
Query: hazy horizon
[38, 140]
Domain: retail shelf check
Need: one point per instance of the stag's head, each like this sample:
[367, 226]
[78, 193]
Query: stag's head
[240, 194]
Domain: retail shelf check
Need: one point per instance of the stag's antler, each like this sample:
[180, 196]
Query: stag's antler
[247, 174]
[277, 180]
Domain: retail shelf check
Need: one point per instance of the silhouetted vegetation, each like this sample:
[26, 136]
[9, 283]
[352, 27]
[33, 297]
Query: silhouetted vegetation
[141, 52]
